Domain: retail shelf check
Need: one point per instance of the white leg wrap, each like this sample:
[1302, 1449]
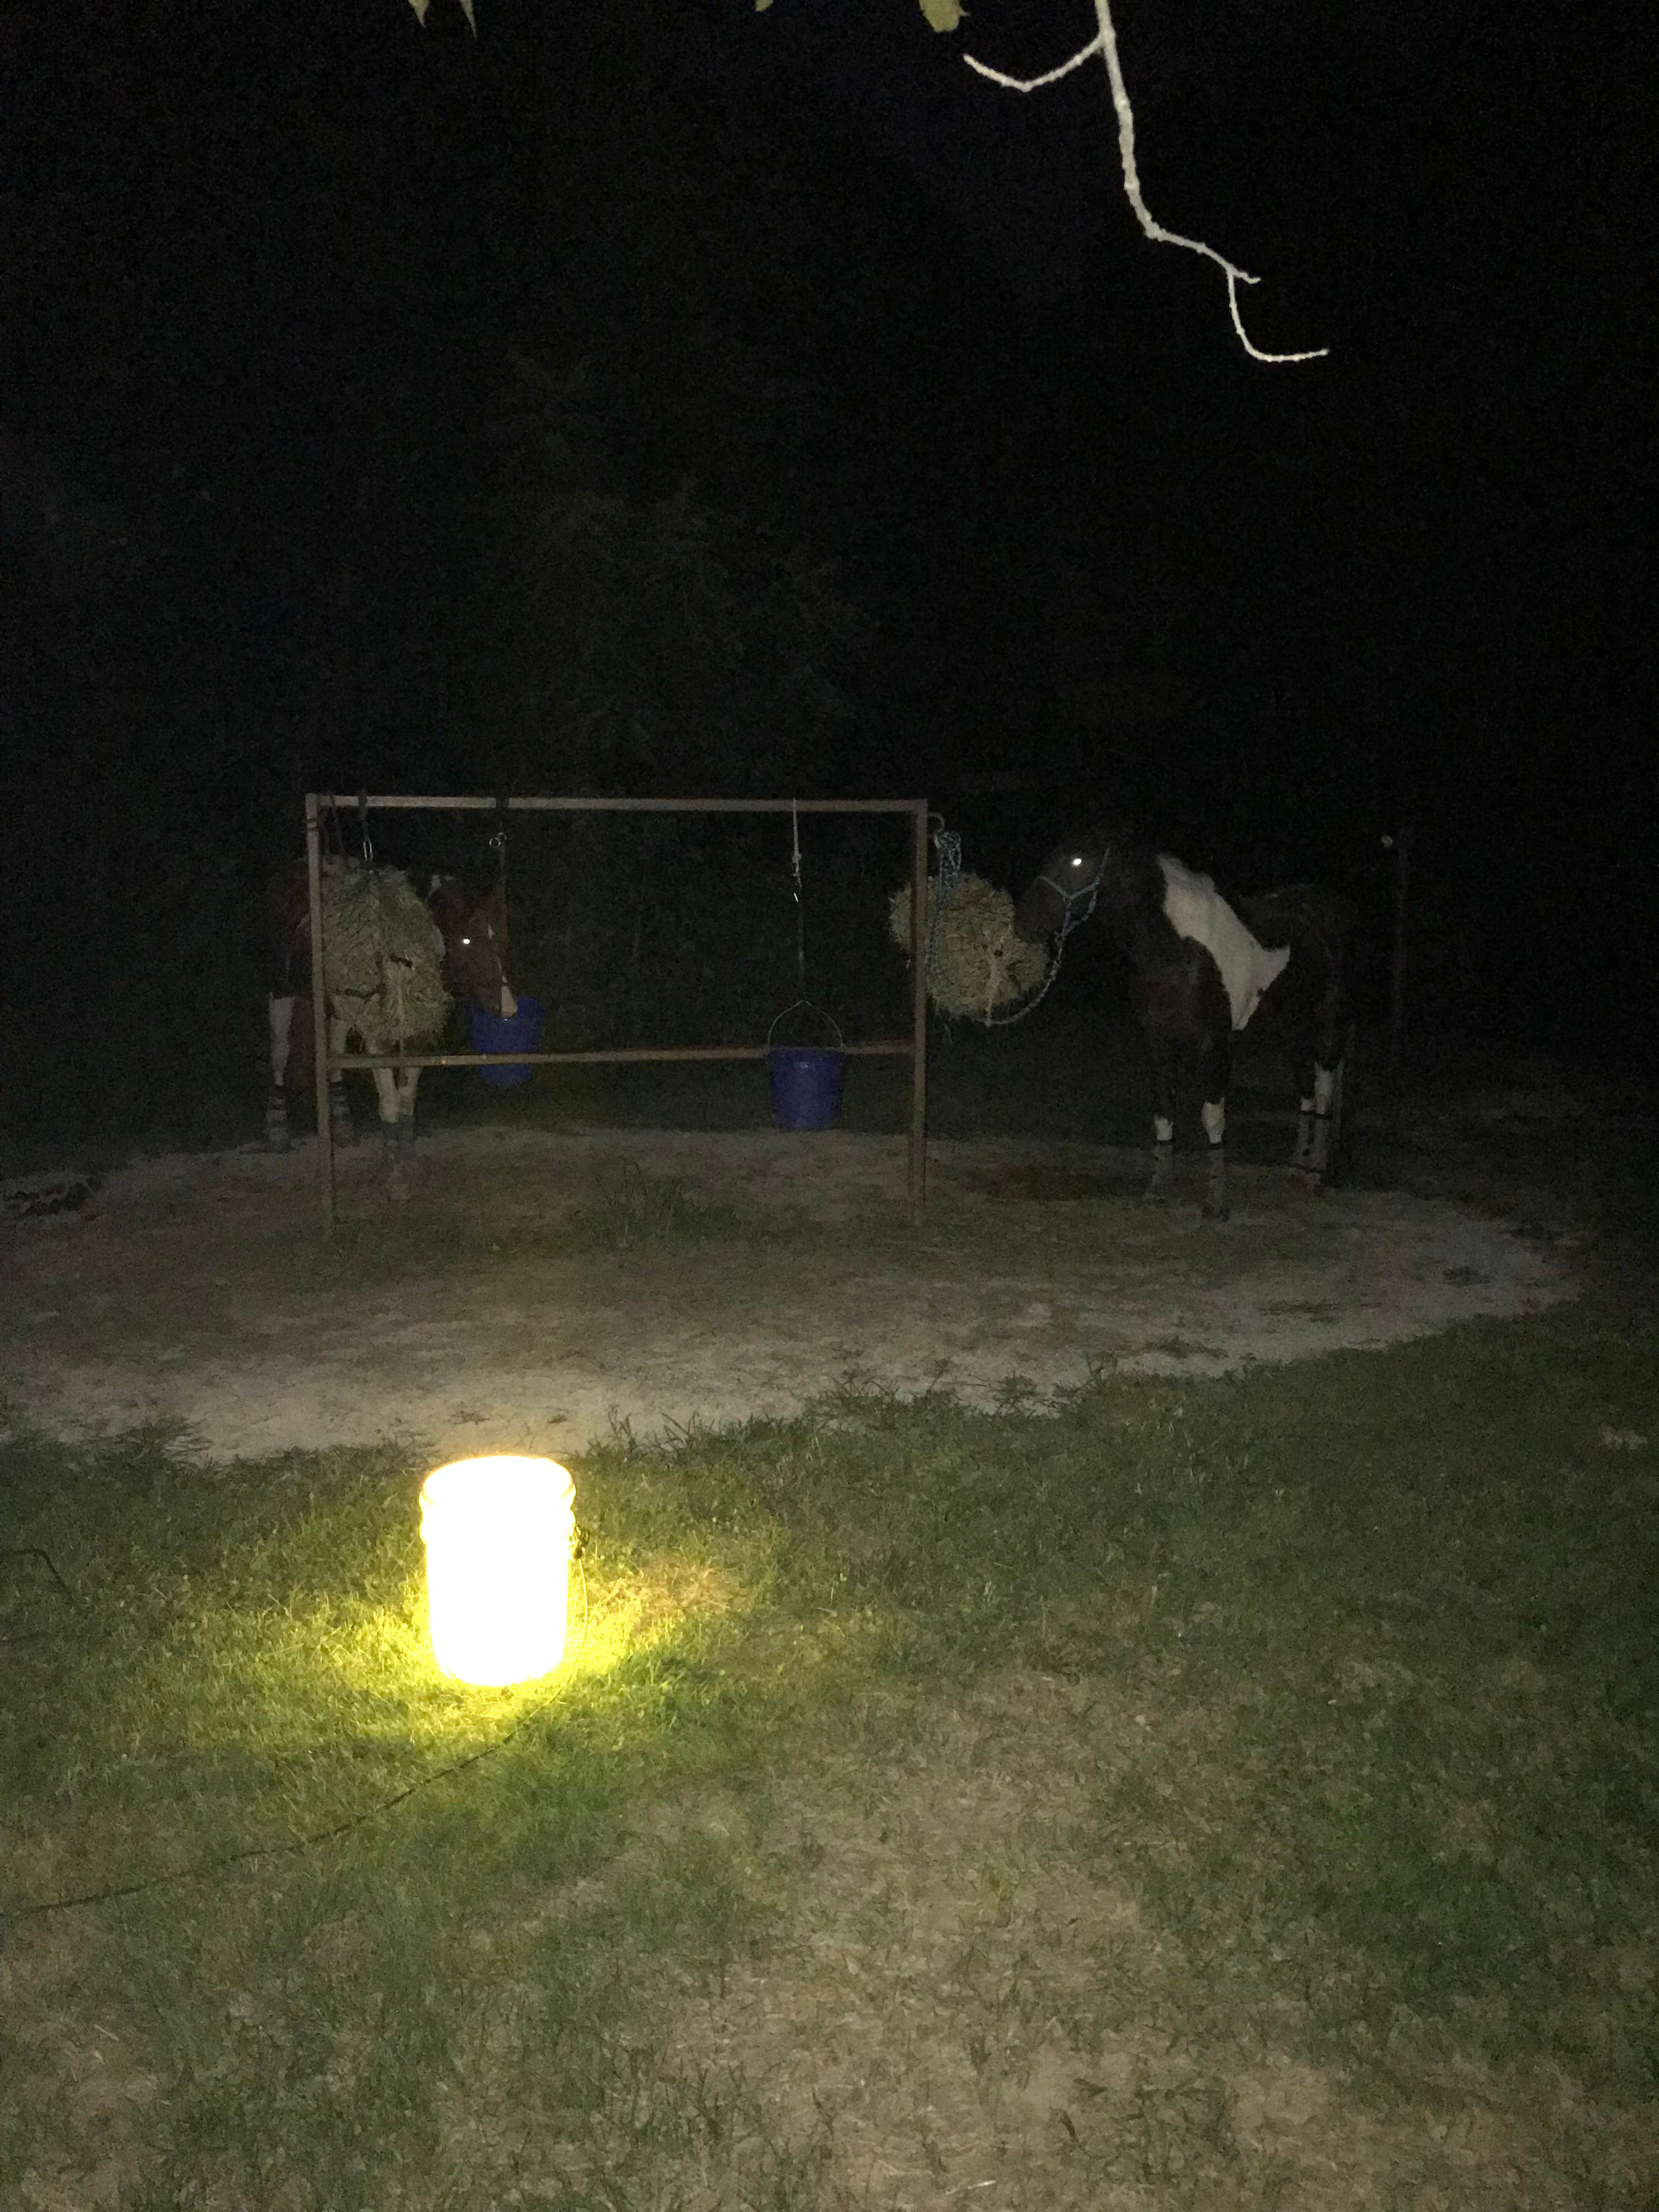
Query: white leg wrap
[1215, 1118]
[385, 1092]
[281, 1012]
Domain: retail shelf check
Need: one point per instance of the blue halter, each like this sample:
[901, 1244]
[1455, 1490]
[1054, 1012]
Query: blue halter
[1090, 891]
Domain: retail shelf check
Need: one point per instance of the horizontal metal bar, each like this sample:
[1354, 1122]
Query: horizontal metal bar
[348, 802]
[902, 1050]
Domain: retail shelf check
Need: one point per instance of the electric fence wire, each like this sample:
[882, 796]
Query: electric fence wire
[200, 1869]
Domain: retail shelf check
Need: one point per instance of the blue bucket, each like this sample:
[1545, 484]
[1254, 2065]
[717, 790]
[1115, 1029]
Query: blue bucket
[806, 1080]
[520, 1033]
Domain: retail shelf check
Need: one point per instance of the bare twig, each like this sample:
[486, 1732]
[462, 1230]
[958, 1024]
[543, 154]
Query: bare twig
[1105, 43]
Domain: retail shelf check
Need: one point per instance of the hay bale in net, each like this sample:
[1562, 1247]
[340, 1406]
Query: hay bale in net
[383, 957]
[976, 964]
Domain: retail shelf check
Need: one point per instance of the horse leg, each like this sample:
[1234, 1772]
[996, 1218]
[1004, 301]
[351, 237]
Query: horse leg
[1319, 1123]
[386, 1095]
[1213, 1115]
[1322, 1119]
[1306, 1107]
[281, 1012]
[394, 1089]
[1164, 1061]
[1215, 1074]
[1319, 1116]
[340, 1126]
[399, 1135]
[409, 1080]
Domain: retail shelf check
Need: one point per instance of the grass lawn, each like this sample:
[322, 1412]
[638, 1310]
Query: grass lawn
[1223, 1794]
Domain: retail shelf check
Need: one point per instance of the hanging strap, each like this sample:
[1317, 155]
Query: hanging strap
[498, 842]
[366, 841]
[800, 907]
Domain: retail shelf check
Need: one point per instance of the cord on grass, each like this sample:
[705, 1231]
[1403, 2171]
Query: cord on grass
[203, 1867]
[33, 1551]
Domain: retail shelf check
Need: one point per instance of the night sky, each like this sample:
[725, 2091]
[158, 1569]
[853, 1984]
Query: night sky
[312, 317]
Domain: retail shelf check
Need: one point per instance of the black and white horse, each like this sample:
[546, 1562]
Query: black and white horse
[1200, 969]
[465, 962]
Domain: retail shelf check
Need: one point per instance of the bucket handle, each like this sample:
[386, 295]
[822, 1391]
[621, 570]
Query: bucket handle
[841, 1041]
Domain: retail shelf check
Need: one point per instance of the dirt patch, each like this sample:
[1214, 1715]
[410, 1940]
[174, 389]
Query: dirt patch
[532, 1288]
[956, 1999]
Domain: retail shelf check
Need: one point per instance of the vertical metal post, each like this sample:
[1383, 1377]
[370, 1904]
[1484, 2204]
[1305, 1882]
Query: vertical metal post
[319, 1011]
[918, 1162]
[1397, 973]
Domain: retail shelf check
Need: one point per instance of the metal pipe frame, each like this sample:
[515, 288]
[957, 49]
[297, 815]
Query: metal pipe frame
[914, 1046]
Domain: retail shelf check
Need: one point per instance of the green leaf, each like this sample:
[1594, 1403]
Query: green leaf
[943, 14]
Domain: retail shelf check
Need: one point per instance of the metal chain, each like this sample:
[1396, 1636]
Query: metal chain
[948, 846]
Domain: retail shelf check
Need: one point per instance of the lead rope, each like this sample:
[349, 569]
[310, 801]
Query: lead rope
[948, 846]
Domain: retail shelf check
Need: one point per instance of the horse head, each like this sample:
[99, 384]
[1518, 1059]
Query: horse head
[475, 942]
[1063, 891]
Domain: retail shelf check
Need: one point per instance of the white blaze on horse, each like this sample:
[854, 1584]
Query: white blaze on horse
[1200, 970]
[394, 964]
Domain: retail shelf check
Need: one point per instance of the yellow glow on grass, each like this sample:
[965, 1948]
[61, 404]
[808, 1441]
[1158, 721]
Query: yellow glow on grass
[499, 1533]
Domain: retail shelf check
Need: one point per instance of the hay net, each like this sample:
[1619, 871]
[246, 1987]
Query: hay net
[383, 956]
[976, 964]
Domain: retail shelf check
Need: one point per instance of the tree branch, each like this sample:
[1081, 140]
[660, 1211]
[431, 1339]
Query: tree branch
[1105, 43]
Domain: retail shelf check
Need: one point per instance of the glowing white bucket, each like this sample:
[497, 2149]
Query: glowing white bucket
[499, 1534]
